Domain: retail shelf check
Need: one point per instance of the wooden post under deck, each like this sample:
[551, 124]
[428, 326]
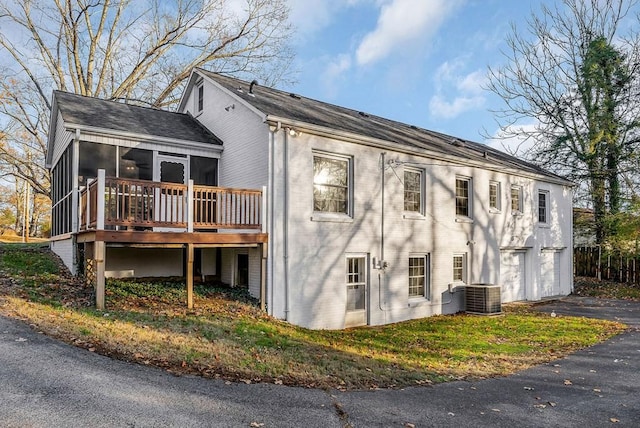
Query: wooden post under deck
[190, 276]
[99, 260]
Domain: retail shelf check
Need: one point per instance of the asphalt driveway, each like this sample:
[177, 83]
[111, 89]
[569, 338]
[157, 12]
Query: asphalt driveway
[45, 383]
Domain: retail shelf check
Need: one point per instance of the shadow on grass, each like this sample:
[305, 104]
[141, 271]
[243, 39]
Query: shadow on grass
[226, 335]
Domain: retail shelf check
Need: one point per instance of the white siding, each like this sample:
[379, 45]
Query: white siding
[208, 266]
[244, 161]
[228, 266]
[228, 270]
[143, 262]
[64, 249]
[254, 272]
[62, 140]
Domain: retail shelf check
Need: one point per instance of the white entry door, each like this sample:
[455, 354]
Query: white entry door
[512, 275]
[171, 204]
[356, 308]
[550, 273]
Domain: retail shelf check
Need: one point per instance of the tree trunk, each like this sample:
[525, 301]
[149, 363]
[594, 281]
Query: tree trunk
[613, 178]
[598, 196]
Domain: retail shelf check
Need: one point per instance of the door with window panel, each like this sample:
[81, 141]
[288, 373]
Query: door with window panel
[356, 276]
[171, 201]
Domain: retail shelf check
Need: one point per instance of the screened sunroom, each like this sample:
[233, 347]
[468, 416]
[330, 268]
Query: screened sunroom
[135, 193]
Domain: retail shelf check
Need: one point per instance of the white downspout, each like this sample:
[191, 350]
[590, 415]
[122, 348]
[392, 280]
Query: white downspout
[75, 199]
[570, 246]
[285, 222]
[382, 260]
[75, 161]
[271, 218]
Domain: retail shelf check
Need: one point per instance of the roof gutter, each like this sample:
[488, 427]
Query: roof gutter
[384, 144]
[177, 142]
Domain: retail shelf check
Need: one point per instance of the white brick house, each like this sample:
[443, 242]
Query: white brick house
[371, 221]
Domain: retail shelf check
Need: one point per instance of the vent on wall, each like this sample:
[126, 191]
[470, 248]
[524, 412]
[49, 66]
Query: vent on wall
[484, 299]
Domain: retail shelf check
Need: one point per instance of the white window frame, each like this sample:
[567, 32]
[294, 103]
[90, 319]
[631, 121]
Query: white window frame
[469, 197]
[518, 209]
[334, 215]
[463, 279]
[497, 207]
[426, 278]
[362, 277]
[546, 212]
[420, 211]
[198, 102]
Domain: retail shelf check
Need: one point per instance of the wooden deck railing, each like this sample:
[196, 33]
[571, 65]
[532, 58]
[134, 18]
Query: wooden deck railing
[124, 203]
[225, 208]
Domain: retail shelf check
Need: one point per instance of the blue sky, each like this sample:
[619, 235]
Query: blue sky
[422, 62]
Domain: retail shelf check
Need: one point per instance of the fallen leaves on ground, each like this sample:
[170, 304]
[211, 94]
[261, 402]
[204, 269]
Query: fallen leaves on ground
[592, 287]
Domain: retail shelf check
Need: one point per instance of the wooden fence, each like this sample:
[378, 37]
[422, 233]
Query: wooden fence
[596, 262]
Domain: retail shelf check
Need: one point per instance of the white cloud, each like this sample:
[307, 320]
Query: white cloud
[442, 108]
[334, 71]
[401, 22]
[456, 93]
[473, 82]
[308, 23]
[311, 16]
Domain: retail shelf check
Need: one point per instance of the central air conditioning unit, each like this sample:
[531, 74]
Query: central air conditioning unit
[483, 299]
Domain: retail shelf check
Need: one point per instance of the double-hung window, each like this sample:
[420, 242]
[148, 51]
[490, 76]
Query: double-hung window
[419, 276]
[332, 184]
[413, 190]
[516, 199]
[494, 196]
[463, 197]
[199, 101]
[543, 206]
[460, 267]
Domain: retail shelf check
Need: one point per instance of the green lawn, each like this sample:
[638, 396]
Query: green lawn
[226, 335]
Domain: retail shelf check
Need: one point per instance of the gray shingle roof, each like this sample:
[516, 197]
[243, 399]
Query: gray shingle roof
[273, 102]
[94, 112]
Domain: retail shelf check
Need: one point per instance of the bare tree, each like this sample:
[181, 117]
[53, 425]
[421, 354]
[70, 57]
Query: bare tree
[140, 51]
[574, 70]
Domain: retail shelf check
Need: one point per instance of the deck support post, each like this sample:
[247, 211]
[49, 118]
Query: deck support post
[99, 260]
[190, 276]
[263, 278]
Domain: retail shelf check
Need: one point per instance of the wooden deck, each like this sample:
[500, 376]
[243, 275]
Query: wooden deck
[109, 203]
[140, 213]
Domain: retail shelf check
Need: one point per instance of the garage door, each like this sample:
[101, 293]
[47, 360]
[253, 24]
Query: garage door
[550, 273]
[512, 275]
